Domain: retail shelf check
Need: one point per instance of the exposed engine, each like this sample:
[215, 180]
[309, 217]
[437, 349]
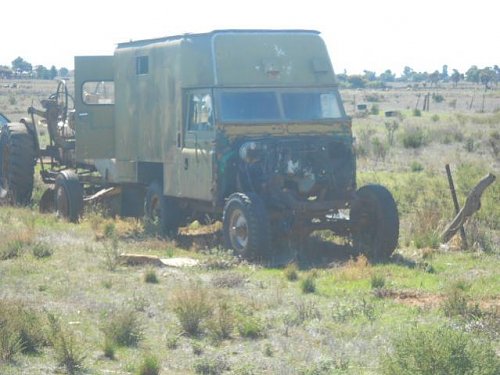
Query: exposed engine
[308, 169]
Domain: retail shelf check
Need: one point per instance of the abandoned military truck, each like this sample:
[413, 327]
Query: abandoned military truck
[245, 125]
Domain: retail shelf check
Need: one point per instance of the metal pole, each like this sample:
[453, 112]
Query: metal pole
[455, 203]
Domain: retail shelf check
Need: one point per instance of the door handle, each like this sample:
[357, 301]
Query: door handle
[83, 114]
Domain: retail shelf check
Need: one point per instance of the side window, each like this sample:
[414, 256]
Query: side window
[200, 116]
[141, 65]
[98, 92]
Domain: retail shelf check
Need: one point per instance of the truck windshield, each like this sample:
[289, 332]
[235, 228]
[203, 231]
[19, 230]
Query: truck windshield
[272, 106]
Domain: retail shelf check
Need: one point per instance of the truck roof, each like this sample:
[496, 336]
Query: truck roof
[137, 43]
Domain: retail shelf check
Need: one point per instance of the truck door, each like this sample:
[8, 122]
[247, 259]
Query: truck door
[197, 153]
[94, 105]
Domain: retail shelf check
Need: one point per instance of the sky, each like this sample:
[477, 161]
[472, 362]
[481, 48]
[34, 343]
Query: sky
[360, 34]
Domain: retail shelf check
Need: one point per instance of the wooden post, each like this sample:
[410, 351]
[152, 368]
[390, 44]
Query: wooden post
[457, 206]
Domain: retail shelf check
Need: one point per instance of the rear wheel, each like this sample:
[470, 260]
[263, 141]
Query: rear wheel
[17, 163]
[246, 228]
[68, 196]
[162, 211]
[374, 222]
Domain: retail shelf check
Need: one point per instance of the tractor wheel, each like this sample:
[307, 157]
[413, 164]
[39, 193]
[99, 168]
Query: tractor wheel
[246, 227]
[374, 222]
[17, 163]
[161, 210]
[68, 196]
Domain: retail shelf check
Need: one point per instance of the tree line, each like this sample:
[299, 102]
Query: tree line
[488, 76]
[21, 68]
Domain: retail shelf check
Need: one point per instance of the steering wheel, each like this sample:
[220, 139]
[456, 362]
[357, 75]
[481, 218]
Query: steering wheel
[62, 97]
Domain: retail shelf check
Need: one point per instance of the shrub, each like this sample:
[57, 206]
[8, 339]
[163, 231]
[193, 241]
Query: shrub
[435, 118]
[413, 137]
[417, 112]
[41, 250]
[211, 365]
[111, 254]
[427, 350]
[123, 327]
[228, 280]
[374, 110]
[251, 327]
[192, 306]
[308, 284]
[68, 351]
[416, 166]
[109, 348]
[221, 324]
[457, 302]
[379, 148]
[437, 98]
[149, 366]
[377, 281]
[21, 329]
[150, 276]
[291, 272]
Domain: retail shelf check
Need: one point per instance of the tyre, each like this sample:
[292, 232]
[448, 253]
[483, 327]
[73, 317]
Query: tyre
[246, 228]
[68, 196]
[17, 163]
[161, 210]
[374, 222]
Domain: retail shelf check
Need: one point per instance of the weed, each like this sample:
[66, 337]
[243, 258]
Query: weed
[250, 327]
[308, 284]
[150, 366]
[415, 166]
[219, 259]
[268, 350]
[379, 148]
[197, 348]
[211, 365]
[356, 269]
[494, 142]
[303, 311]
[437, 98]
[470, 145]
[457, 302]
[221, 324]
[228, 280]
[291, 272]
[417, 112]
[391, 128]
[68, 351]
[192, 306]
[435, 118]
[150, 276]
[441, 350]
[172, 341]
[374, 109]
[123, 327]
[326, 366]
[413, 137]
[41, 250]
[426, 224]
[377, 281]
[109, 348]
[111, 254]
[21, 329]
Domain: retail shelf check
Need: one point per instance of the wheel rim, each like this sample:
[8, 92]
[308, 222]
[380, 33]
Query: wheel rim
[238, 230]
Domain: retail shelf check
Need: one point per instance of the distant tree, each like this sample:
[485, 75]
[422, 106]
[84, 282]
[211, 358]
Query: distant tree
[487, 76]
[408, 74]
[434, 77]
[420, 77]
[387, 76]
[63, 72]
[5, 71]
[472, 75]
[356, 81]
[444, 73]
[53, 72]
[370, 76]
[20, 65]
[42, 72]
[456, 77]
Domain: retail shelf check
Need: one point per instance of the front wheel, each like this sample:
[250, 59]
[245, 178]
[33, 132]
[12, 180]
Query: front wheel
[374, 222]
[246, 225]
